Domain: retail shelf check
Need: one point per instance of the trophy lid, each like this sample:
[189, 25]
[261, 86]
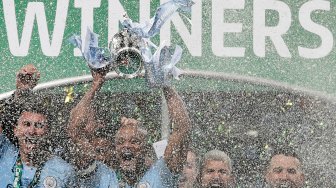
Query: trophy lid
[124, 38]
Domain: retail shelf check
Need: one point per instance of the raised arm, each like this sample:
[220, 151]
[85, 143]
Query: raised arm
[82, 122]
[176, 151]
[26, 79]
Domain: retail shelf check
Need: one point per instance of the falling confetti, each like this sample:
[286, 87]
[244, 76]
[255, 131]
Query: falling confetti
[289, 103]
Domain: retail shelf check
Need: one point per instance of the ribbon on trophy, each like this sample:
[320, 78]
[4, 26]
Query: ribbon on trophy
[131, 48]
[95, 57]
[163, 13]
[162, 66]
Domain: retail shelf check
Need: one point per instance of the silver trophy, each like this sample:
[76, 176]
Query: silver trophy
[131, 48]
[123, 55]
[127, 58]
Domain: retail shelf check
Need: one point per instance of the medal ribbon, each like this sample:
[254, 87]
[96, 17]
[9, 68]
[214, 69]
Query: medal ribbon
[18, 174]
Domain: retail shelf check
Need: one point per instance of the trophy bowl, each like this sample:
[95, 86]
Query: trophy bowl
[125, 47]
[129, 62]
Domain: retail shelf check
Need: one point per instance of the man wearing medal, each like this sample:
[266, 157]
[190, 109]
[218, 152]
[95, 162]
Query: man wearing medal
[25, 159]
[130, 141]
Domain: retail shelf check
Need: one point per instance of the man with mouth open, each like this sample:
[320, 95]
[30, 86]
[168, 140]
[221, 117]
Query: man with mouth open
[284, 170]
[131, 141]
[131, 149]
[25, 157]
[216, 171]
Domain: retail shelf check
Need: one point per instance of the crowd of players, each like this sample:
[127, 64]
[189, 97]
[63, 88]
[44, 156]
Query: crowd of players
[99, 159]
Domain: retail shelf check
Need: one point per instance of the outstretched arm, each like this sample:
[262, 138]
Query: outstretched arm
[82, 117]
[176, 151]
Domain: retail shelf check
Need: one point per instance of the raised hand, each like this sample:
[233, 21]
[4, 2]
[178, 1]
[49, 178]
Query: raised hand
[27, 77]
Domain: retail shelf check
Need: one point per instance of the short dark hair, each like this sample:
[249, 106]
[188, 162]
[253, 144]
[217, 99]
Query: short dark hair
[286, 151]
[12, 110]
[41, 105]
[282, 150]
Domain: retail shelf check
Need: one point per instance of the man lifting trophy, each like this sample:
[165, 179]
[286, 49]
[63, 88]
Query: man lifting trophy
[131, 49]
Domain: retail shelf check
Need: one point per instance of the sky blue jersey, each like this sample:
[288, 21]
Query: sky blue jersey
[157, 176]
[101, 177]
[55, 172]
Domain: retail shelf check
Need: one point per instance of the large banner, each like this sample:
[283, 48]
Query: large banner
[253, 66]
[286, 41]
